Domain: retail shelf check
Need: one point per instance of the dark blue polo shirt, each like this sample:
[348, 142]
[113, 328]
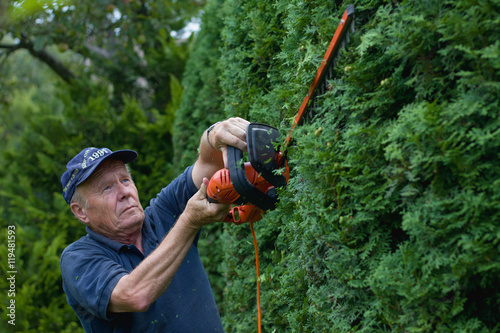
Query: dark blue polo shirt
[92, 266]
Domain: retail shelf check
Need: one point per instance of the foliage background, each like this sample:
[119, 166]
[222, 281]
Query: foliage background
[390, 221]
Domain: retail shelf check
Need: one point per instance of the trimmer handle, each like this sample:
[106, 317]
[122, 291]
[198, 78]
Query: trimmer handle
[244, 213]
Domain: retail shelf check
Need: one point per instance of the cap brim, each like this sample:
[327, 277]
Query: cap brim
[125, 155]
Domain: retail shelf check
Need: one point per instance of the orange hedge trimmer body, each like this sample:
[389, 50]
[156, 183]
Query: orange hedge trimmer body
[251, 186]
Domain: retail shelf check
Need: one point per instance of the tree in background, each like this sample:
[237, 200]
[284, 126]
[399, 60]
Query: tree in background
[89, 73]
[128, 44]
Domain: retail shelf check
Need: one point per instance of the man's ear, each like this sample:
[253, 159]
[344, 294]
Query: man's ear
[79, 211]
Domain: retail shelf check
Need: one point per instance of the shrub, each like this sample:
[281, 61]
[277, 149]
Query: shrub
[390, 221]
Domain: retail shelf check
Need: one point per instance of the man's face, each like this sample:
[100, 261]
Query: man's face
[114, 209]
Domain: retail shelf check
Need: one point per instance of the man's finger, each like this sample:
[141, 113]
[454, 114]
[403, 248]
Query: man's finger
[231, 132]
[204, 186]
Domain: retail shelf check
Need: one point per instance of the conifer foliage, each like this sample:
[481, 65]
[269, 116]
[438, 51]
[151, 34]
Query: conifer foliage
[391, 219]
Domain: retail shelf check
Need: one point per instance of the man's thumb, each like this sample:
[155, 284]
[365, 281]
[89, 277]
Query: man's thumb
[203, 187]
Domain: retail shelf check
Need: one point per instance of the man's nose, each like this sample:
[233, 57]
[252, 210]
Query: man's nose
[123, 191]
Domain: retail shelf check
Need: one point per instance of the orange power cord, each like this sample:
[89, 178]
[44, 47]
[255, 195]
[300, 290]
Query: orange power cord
[258, 275]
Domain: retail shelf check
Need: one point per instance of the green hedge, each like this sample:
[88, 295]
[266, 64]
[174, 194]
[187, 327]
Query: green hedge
[391, 218]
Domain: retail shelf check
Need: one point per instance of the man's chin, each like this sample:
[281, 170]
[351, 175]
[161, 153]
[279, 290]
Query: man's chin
[136, 218]
[132, 218]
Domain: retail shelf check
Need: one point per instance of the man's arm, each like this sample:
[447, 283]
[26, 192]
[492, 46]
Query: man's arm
[148, 281]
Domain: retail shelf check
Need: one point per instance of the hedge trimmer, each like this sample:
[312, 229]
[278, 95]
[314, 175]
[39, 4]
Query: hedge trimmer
[251, 186]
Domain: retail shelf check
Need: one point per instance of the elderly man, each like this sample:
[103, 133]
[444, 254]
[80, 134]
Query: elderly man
[139, 270]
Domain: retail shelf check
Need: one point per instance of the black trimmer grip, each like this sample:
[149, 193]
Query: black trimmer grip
[246, 190]
[211, 200]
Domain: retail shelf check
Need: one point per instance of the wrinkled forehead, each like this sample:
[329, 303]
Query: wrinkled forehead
[107, 170]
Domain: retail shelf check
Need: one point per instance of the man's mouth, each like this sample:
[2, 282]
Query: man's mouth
[127, 209]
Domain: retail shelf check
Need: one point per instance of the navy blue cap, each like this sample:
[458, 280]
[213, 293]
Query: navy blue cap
[85, 163]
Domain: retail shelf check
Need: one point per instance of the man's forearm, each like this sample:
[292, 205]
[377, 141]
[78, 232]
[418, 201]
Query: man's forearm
[148, 281]
[209, 160]
[138, 290]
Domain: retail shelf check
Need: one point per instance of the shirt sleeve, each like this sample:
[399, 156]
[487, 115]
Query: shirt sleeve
[89, 277]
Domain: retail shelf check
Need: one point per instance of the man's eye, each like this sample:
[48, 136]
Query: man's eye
[126, 180]
[107, 188]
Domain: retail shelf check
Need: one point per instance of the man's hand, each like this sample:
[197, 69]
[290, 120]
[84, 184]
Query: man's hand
[199, 211]
[231, 132]
[213, 147]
